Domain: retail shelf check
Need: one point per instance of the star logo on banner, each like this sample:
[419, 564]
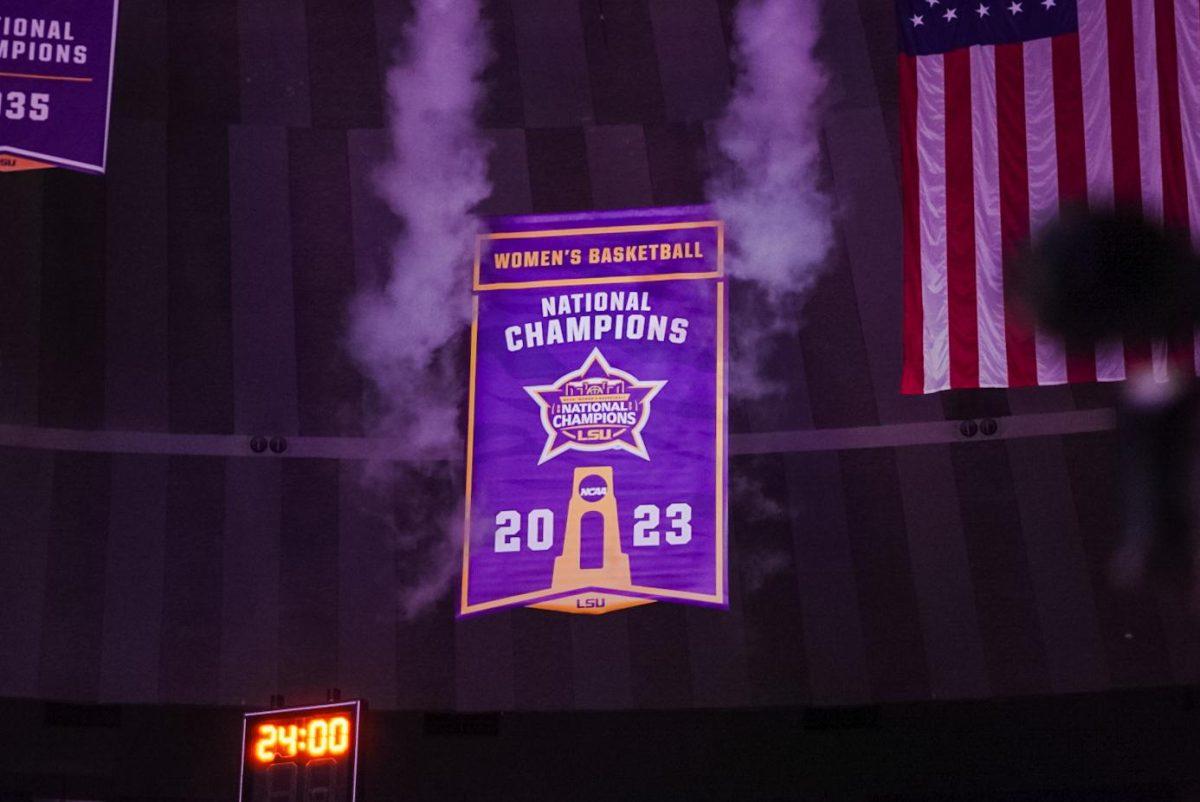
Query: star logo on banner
[982, 11]
[595, 408]
[917, 20]
[1049, 4]
[1015, 8]
[950, 14]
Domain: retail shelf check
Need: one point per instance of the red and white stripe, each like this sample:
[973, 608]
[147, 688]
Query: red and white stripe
[996, 139]
[1013, 144]
[1171, 83]
[989, 259]
[1187, 50]
[1042, 173]
[931, 170]
[1098, 141]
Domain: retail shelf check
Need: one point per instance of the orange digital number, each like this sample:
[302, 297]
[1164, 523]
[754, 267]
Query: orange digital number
[339, 735]
[287, 739]
[318, 737]
[264, 748]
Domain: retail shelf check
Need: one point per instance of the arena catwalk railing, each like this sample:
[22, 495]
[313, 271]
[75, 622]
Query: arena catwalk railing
[896, 435]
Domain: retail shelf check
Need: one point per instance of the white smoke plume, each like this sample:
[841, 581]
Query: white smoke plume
[436, 177]
[778, 220]
[753, 507]
[407, 335]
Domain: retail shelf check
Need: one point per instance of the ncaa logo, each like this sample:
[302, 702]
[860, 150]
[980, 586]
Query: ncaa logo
[593, 488]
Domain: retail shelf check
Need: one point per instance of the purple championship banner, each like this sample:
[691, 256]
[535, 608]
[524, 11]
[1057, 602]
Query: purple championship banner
[596, 435]
[56, 63]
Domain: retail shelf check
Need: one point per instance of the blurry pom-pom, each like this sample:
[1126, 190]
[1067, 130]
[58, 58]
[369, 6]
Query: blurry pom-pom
[1095, 275]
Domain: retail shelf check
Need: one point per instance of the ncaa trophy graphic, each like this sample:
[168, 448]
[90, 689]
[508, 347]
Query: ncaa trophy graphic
[568, 567]
[592, 494]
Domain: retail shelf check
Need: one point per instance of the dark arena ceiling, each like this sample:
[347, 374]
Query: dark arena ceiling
[155, 319]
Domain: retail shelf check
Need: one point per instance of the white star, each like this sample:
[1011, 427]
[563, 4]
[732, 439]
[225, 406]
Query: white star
[982, 11]
[1015, 8]
[933, 3]
[1049, 4]
[917, 20]
[950, 14]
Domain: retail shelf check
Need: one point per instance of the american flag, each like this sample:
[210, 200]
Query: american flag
[1010, 108]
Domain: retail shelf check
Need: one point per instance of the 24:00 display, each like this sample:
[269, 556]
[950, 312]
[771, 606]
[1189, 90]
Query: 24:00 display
[316, 737]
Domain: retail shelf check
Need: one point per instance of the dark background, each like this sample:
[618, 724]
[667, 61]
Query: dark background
[200, 288]
[1126, 746]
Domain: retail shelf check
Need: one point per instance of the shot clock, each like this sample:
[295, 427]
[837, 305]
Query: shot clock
[301, 754]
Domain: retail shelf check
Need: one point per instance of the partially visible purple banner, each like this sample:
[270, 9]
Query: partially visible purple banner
[56, 62]
[596, 441]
